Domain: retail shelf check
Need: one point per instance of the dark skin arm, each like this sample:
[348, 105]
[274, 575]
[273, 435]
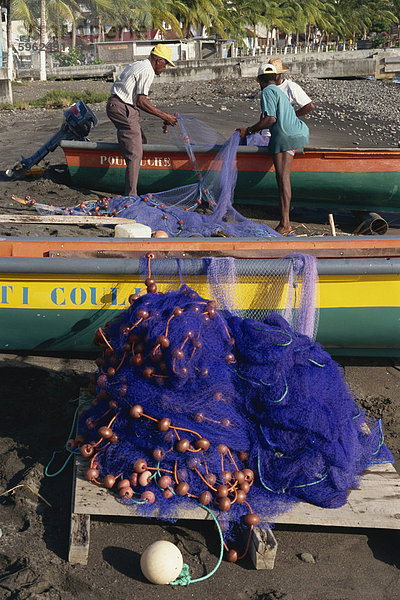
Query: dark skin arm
[264, 123]
[144, 103]
[304, 110]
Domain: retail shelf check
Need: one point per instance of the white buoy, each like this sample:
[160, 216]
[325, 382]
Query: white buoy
[161, 562]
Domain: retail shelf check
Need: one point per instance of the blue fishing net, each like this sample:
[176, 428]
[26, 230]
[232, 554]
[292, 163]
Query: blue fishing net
[203, 208]
[195, 405]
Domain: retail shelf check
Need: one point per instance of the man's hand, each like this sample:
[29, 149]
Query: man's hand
[170, 119]
[242, 131]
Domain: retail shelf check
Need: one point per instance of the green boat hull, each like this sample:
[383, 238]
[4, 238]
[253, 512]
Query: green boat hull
[350, 191]
[342, 331]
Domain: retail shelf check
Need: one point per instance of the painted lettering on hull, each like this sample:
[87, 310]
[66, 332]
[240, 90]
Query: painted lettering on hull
[66, 296]
[117, 161]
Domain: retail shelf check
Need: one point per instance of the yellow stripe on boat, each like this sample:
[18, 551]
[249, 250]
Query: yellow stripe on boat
[64, 292]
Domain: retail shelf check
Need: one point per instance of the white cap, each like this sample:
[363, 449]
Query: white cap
[266, 69]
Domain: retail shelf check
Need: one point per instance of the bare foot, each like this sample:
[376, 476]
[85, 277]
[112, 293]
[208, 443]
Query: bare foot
[283, 230]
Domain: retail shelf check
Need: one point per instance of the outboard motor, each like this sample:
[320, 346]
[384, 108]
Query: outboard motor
[77, 123]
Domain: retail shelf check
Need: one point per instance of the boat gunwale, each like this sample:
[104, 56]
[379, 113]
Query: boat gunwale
[16, 265]
[169, 148]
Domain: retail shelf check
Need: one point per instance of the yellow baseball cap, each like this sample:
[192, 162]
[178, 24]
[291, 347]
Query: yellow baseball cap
[163, 51]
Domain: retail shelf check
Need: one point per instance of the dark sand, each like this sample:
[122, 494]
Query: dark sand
[36, 415]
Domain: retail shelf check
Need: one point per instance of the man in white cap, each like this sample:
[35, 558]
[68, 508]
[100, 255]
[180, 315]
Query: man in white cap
[297, 96]
[288, 133]
[128, 94]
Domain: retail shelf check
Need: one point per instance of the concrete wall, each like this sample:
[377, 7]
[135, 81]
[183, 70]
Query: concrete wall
[359, 63]
[6, 96]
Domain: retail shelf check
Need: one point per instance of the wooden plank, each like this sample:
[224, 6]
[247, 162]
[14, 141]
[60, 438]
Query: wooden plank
[92, 499]
[263, 548]
[79, 533]
[340, 252]
[355, 246]
[79, 539]
[375, 504]
[64, 219]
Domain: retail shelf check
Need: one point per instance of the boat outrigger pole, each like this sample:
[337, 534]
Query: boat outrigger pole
[77, 123]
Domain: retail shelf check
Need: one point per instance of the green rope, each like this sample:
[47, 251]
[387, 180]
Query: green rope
[282, 397]
[381, 440]
[277, 331]
[324, 476]
[71, 452]
[61, 469]
[184, 576]
[315, 362]
[283, 491]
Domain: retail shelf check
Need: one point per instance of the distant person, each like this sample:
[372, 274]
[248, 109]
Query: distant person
[128, 94]
[288, 133]
[297, 96]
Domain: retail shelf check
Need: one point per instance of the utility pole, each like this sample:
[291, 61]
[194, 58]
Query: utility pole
[42, 51]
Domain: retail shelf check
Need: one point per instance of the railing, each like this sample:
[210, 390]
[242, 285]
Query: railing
[293, 49]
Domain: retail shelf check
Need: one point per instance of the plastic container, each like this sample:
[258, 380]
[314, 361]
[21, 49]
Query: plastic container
[132, 230]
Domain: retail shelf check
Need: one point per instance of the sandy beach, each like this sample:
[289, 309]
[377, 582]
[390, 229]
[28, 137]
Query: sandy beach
[349, 563]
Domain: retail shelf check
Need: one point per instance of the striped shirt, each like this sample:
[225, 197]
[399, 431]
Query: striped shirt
[135, 79]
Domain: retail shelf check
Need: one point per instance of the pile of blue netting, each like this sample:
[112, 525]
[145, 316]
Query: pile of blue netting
[194, 405]
[203, 208]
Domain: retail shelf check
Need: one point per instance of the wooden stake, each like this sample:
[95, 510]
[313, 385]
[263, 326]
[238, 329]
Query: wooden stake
[332, 224]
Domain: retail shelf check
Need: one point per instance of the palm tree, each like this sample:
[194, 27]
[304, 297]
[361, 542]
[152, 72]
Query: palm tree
[316, 13]
[248, 14]
[100, 9]
[210, 14]
[58, 12]
[359, 19]
[141, 15]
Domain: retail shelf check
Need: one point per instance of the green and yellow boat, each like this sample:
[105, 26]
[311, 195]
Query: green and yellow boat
[54, 293]
[354, 179]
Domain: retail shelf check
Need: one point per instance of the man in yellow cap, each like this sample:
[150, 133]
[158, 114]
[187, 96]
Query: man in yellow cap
[128, 94]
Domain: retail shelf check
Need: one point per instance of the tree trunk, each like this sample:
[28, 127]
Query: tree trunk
[100, 37]
[42, 53]
[59, 34]
[73, 34]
